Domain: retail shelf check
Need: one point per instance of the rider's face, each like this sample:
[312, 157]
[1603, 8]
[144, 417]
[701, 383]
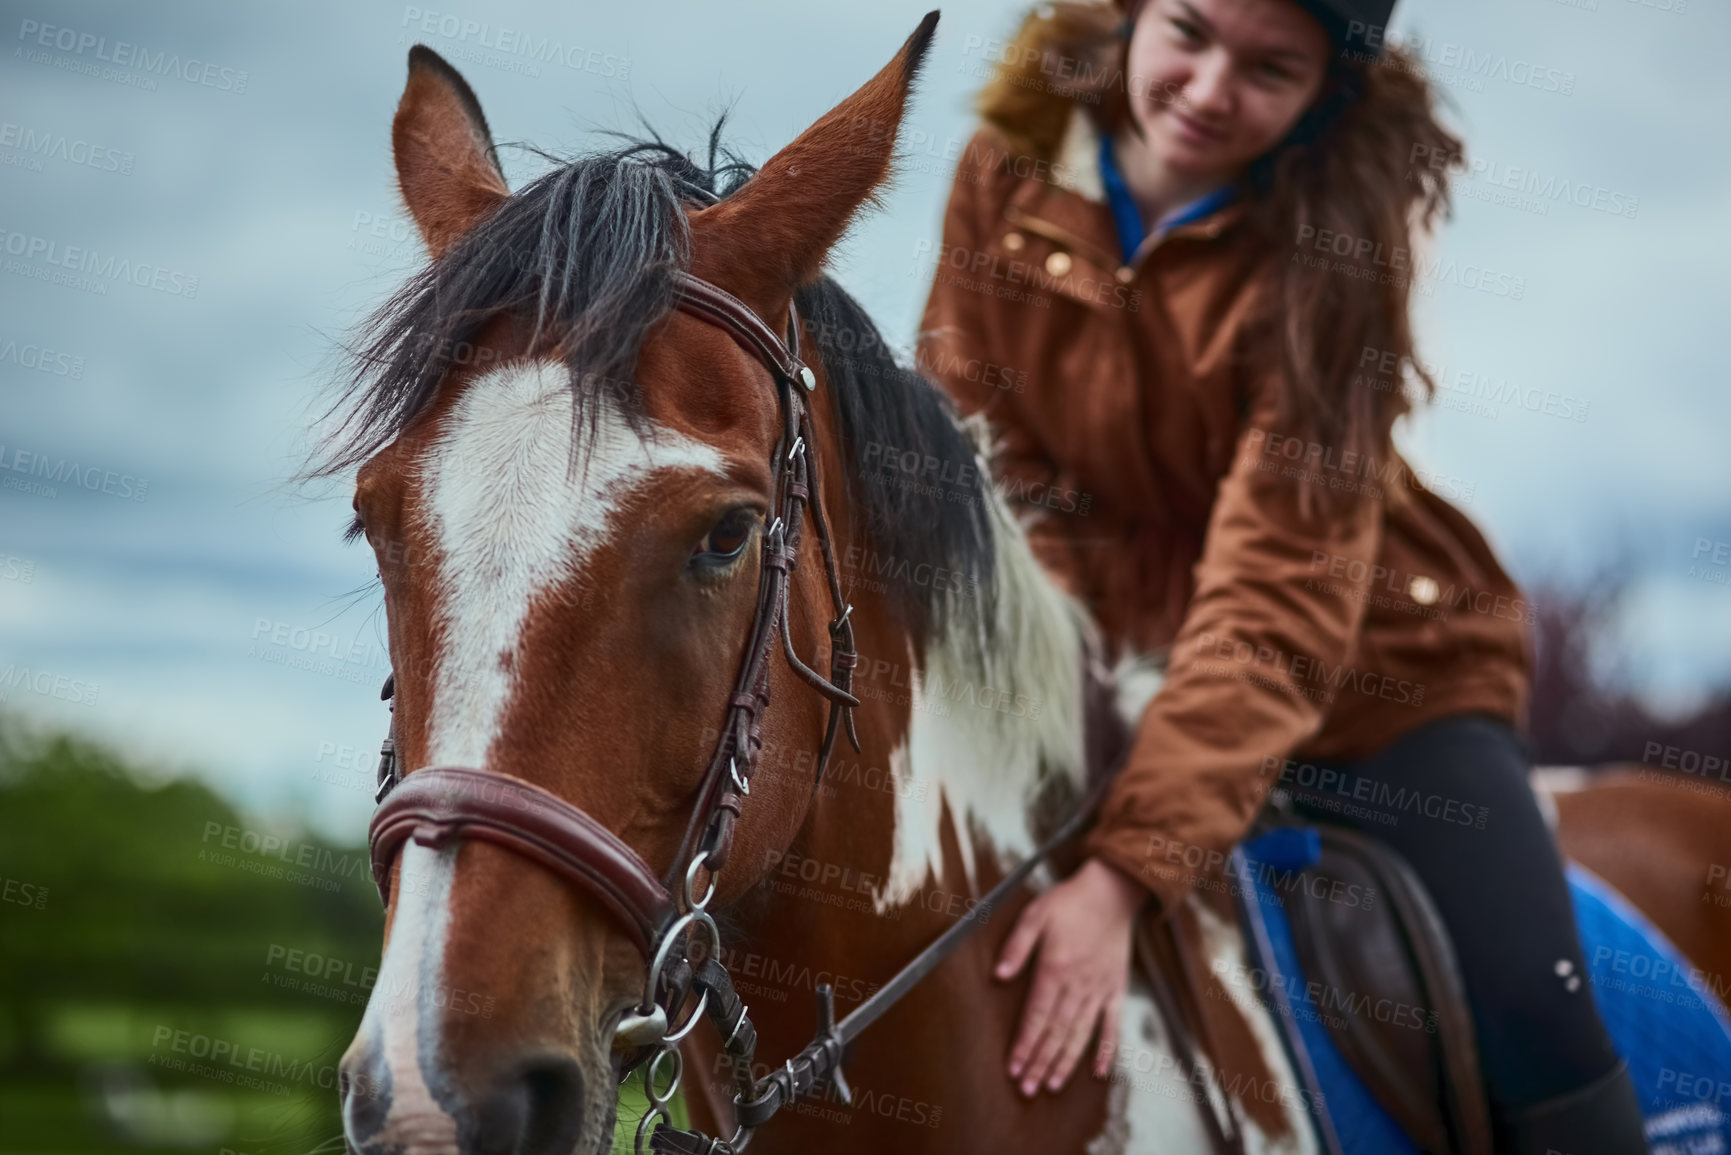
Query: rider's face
[1216, 83]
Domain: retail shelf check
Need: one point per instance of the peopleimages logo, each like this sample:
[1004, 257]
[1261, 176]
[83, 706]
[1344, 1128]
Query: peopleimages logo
[508, 43]
[47, 683]
[122, 54]
[89, 262]
[64, 472]
[41, 359]
[39, 143]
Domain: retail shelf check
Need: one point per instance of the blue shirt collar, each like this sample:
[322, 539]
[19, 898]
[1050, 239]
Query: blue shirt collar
[1128, 217]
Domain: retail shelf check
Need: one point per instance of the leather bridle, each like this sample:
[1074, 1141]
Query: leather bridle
[438, 805]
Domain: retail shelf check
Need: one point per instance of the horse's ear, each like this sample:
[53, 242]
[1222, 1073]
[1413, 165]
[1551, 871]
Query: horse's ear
[445, 162]
[774, 233]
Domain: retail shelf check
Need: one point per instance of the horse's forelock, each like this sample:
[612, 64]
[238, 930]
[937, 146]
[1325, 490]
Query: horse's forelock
[582, 260]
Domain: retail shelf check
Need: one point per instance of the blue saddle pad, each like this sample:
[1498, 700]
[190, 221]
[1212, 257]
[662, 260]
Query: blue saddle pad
[1659, 1011]
[1665, 1018]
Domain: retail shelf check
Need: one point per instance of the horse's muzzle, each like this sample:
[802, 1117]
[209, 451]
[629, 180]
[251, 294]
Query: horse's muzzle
[530, 1105]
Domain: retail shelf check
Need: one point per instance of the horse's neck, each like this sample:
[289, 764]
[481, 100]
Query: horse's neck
[990, 713]
[984, 738]
[903, 838]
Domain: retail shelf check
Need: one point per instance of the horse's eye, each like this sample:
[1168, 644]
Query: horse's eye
[726, 539]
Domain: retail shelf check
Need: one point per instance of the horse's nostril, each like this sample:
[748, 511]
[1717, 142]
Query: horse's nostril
[555, 1090]
[536, 1111]
[364, 1090]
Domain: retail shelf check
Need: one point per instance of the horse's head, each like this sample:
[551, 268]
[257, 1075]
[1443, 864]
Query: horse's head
[566, 482]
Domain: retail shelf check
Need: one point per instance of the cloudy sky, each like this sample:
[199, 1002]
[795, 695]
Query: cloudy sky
[229, 165]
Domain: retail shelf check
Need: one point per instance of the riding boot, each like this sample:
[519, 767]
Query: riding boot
[1601, 1118]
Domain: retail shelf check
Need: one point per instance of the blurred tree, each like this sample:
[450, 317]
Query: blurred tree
[129, 912]
[139, 918]
[1584, 711]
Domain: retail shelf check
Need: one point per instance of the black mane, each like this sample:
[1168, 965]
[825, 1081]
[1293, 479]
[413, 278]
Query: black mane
[585, 254]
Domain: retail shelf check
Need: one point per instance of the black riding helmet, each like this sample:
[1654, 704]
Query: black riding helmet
[1354, 26]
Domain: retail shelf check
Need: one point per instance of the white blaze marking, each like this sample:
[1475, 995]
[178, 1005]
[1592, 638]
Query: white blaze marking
[514, 520]
[410, 971]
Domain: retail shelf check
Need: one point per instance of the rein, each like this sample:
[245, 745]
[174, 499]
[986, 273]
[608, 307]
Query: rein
[438, 805]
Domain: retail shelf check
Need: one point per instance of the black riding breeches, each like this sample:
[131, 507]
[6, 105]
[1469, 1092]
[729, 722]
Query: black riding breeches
[1468, 823]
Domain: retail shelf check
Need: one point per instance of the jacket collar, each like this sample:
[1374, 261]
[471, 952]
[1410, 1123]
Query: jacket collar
[1076, 166]
[1071, 207]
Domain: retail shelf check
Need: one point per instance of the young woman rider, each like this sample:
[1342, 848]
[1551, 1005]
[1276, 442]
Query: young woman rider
[1175, 278]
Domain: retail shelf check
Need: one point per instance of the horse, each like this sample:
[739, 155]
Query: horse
[579, 437]
[562, 476]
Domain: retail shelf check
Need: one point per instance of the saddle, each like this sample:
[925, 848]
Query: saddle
[1382, 971]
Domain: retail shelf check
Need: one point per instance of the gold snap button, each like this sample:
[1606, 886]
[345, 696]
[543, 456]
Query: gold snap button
[1014, 242]
[1423, 590]
[1058, 264]
[1125, 274]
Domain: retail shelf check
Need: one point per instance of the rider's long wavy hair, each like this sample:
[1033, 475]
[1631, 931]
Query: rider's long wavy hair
[1368, 161]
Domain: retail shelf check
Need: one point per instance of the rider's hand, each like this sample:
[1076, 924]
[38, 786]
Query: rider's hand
[1082, 927]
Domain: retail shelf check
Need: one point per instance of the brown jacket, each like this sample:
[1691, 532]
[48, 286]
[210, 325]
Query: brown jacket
[1160, 489]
